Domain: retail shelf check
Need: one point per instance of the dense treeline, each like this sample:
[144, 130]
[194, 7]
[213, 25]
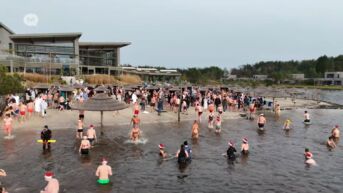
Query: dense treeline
[280, 70]
[206, 75]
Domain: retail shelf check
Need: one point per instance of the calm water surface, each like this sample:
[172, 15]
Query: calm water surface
[275, 164]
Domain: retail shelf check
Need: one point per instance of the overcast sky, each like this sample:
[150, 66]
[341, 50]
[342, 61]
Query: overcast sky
[192, 33]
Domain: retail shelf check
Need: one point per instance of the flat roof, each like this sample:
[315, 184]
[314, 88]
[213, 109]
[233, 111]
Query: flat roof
[103, 44]
[6, 28]
[72, 35]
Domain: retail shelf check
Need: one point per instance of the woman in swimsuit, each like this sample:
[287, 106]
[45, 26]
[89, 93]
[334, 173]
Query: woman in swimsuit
[135, 134]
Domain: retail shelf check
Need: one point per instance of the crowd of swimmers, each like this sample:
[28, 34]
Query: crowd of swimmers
[212, 103]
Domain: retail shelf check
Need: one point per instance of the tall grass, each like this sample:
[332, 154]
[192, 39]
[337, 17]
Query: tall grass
[105, 79]
[130, 79]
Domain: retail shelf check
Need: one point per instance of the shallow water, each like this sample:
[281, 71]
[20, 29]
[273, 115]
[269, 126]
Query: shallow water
[275, 162]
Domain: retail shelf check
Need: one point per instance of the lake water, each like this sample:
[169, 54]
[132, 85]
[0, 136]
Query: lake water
[275, 164]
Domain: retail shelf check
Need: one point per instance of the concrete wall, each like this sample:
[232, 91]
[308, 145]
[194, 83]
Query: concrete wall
[4, 41]
[335, 74]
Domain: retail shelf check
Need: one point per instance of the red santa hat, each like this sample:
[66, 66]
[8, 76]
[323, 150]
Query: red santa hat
[48, 174]
[91, 126]
[230, 143]
[161, 146]
[245, 140]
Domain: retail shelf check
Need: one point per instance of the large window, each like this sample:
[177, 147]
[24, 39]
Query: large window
[98, 57]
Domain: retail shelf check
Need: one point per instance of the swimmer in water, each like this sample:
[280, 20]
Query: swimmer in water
[84, 146]
[245, 146]
[210, 120]
[2, 189]
[135, 134]
[231, 151]
[79, 131]
[46, 135]
[307, 117]
[103, 172]
[182, 155]
[218, 124]
[91, 135]
[277, 110]
[162, 153]
[261, 121]
[308, 159]
[53, 185]
[195, 130]
[331, 143]
[287, 124]
[8, 125]
[188, 150]
[2, 172]
[335, 132]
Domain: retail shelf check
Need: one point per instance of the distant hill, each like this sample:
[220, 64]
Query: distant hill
[280, 69]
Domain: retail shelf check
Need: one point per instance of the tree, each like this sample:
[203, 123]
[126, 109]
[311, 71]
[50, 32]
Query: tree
[9, 83]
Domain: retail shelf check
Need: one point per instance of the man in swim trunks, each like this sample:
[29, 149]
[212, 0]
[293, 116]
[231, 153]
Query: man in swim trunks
[162, 153]
[103, 172]
[261, 121]
[84, 146]
[79, 131]
[53, 185]
[91, 134]
[195, 130]
[30, 107]
[245, 146]
[252, 109]
[8, 125]
[22, 111]
[81, 114]
[307, 117]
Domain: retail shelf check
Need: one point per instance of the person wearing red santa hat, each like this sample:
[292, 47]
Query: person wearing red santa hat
[53, 184]
[103, 172]
[309, 157]
[162, 153]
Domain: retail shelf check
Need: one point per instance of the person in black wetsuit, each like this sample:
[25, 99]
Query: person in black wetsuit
[231, 151]
[46, 135]
[182, 155]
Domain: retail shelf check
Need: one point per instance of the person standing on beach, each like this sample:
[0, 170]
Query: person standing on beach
[22, 111]
[53, 185]
[103, 172]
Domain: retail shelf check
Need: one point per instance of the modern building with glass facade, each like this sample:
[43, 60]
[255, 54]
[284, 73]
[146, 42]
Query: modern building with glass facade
[57, 53]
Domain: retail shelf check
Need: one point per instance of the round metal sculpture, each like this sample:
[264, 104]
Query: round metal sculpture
[100, 102]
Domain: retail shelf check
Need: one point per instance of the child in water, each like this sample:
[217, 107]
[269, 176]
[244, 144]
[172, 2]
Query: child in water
[308, 157]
